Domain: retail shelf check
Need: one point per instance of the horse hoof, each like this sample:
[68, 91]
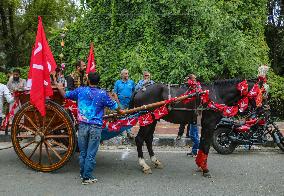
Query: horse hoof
[207, 175]
[147, 171]
[199, 169]
[159, 166]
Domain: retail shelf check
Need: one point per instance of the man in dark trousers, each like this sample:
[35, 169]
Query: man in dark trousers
[192, 129]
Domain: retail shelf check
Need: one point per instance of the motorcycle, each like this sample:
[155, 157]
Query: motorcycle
[230, 133]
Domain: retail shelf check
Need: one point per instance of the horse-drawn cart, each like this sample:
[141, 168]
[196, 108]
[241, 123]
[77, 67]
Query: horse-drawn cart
[43, 143]
[47, 143]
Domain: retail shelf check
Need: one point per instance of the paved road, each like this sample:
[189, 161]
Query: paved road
[242, 173]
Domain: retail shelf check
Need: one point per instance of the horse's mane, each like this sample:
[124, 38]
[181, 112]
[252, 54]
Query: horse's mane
[228, 82]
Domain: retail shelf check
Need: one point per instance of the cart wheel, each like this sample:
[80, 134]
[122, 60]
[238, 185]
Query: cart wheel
[43, 143]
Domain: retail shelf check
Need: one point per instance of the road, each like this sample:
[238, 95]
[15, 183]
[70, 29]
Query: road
[242, 173]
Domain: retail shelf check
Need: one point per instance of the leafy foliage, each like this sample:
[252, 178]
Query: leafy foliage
[214, 39]
[277, 94]
[19, 23]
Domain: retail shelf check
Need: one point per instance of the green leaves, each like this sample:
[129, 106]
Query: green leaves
[214, 39]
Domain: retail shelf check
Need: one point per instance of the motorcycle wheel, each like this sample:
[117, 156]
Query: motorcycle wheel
[221, 141]
[280, 137]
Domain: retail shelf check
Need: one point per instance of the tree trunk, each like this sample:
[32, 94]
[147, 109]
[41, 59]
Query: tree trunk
[5, 32]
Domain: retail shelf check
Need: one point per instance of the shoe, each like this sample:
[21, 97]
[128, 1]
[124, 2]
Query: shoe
[130, 135]
[178, 137]
[89, 181]
[191, 154]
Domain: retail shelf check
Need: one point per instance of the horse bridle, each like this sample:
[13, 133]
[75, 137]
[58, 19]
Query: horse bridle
[170, 107]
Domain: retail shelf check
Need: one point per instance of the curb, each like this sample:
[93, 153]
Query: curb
[161, 140]
[5, 138]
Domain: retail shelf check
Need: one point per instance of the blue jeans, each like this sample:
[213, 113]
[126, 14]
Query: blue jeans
[193, 133]
[89, 137]
[124, 107]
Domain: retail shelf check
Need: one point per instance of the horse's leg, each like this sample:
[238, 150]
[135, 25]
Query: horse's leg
[139, 140]
[208, 123]
[149, 144]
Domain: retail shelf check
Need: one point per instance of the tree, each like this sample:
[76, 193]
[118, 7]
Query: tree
[19, 22]
[214, 39]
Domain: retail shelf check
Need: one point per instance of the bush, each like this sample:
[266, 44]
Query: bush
[276, 94]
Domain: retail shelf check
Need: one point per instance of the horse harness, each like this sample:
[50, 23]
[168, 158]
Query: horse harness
[171, 106]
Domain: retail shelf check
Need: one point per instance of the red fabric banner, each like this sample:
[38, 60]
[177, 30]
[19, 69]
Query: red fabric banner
[243, 88]
[254, 91]
[160, 112]
[114, 126]
[145, 119]
[129, 121]
[243, 104]
[91, 67]
[41, 65]
[230, 111]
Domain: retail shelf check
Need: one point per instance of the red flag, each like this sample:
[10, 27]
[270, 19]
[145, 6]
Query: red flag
[91, 67]
[42, 63]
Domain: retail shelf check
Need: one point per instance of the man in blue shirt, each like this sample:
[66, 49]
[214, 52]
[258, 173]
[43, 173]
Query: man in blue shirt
[91, 103]
[123, 90]
[146, 81]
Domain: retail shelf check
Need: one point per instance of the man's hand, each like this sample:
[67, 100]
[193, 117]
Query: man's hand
[59, 85]
[121, 112]
[60, 88]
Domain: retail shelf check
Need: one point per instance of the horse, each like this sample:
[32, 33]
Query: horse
[222, 91]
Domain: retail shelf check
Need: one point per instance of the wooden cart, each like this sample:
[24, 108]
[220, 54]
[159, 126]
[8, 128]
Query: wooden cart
[43, 143]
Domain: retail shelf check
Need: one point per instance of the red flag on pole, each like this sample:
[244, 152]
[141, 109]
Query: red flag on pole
[41, 65]
[91, 67]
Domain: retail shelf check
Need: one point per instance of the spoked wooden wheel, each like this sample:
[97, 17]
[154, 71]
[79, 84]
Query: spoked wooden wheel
[43, 143]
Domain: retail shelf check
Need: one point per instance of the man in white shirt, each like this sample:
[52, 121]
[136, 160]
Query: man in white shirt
[4, 92]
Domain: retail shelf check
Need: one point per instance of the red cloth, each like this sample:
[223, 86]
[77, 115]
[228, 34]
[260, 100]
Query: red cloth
[145, 119]
[91, 67]
[42, 63]
[254, 91]
[205, 97]
[230, 111]
[243, 104]
[160, 112]
[5, 122]
[104, 123]
[201, 160]
[243, 87]
[114, 126]
[129, 121]
[72, 106]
